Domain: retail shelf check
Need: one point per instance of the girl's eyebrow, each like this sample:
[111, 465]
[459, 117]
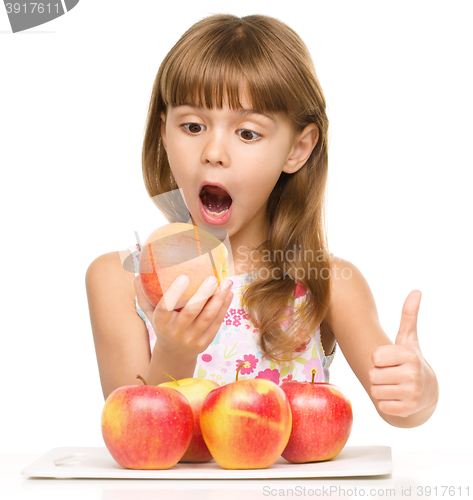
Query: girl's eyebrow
[243, 111]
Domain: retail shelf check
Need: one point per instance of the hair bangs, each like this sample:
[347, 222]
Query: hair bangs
[215, 70]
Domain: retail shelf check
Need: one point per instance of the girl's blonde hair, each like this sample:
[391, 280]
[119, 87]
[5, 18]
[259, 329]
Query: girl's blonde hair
[211, 62]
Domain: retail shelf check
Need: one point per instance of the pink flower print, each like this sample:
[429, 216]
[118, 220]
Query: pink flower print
[233, 318]
[299, 291]
[249, 364]
[243, 314]
[269, 374]
[209, 360]
[289, 378]
[313, 364]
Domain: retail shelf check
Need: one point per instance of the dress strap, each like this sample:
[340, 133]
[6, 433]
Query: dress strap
[135, 254]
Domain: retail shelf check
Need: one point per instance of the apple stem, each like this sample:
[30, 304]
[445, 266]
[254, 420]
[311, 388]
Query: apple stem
[142, 379]
[238, 370]
[313, 375]
[172, 378]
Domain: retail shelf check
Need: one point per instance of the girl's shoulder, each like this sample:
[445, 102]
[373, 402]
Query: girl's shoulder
[342, 273]
[110, 269]
[350, 295]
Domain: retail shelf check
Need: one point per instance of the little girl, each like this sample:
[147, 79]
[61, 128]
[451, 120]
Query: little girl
[237, 123]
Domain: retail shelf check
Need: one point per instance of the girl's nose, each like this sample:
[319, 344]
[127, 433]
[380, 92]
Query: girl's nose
[215, 151]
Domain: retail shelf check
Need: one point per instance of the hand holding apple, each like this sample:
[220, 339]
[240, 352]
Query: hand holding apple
[185, 334]
[401, 379]
[246, 424]
[195, 391]
[146, 427]
[322, 419]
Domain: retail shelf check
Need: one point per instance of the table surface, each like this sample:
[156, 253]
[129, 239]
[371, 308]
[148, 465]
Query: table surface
[415, 475]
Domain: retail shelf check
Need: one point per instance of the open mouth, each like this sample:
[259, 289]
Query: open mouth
[216, 201]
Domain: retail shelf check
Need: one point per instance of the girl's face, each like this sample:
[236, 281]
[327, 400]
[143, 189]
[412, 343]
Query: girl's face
[245, 151]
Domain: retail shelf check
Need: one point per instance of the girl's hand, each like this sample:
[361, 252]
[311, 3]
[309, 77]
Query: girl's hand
[401, 380]
[186, 333]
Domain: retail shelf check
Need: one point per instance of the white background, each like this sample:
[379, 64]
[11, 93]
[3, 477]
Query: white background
[73, 99]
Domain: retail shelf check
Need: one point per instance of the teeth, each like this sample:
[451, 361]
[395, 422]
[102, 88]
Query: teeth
[216, 214]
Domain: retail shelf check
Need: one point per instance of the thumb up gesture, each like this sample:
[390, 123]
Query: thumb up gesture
[401, 380]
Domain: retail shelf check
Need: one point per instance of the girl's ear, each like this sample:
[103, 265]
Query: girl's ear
[303, 145]
[163, 130]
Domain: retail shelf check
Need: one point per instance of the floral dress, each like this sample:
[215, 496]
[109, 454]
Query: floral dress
[237, 342]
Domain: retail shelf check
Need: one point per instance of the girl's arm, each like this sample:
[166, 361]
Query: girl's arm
[120, 335]
[401, 384]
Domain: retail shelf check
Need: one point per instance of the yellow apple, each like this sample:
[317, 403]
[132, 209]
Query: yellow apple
[195, 391]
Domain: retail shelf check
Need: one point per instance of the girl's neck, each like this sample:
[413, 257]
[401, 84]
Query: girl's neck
[243, 246]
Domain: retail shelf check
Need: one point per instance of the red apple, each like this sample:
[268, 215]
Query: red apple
[195, 390]
[147, 427]
[246, 424]
[175, 249]
[322, 419]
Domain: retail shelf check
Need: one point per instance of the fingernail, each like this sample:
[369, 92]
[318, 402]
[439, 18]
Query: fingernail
[183, 279]
[227, 284]
[211, 281]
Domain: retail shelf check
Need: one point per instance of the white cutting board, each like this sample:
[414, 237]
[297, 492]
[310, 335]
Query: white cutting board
[89, 462]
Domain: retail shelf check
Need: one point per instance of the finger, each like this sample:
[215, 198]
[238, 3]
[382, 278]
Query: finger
[143, 302]
[387, 392]
[408, 326]
[204, 310]
[394, 407]
[198, 300]
[384, 375]
[172, 295]
[389, 355]
[212, 330]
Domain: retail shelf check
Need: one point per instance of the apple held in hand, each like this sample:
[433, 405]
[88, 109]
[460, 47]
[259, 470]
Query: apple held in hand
[322, 419]
[178, 248]
[195, 391]
[146, 427]
[246, 424]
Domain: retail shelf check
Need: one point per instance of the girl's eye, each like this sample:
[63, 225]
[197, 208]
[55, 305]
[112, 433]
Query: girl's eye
[248, 135]
[193, 128]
